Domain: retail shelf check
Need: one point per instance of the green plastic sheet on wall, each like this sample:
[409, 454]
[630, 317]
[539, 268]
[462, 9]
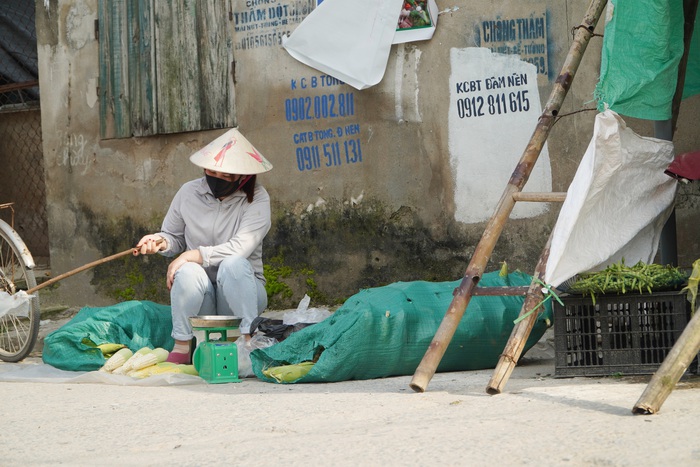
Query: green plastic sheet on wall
[385, 331]
[642, 47]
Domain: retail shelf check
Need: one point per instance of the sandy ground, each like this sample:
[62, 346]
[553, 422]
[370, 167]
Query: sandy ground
[537, 420]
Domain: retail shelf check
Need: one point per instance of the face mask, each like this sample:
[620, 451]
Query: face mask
[221, 188]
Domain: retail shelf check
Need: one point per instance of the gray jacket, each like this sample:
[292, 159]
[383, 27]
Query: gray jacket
[218, 229]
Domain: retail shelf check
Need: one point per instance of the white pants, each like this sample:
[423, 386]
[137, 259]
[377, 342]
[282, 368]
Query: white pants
[237, 292]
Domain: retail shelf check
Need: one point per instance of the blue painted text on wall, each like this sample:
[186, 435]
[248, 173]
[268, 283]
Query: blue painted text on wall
[327, 147]
[525, 36]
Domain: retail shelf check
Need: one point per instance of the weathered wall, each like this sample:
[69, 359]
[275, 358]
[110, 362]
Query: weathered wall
[412, 207]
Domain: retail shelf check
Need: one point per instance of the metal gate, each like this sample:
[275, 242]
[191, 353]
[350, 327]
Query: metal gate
[22, 179]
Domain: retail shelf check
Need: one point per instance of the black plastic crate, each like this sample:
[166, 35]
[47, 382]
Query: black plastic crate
[625, 334]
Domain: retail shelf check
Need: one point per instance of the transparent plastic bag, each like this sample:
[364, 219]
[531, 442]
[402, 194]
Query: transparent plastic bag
[305, 315]
[258, 341]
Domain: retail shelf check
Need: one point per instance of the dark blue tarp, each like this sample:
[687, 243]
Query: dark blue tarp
[18, 48]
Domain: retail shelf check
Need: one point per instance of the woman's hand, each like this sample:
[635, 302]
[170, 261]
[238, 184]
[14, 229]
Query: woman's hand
[150, 244]
[190, 256]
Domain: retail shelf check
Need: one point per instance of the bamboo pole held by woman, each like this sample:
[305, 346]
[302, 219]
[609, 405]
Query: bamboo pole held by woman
[53, 280]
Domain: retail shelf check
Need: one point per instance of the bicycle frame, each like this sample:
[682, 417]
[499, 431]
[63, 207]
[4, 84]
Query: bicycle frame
[23, 250]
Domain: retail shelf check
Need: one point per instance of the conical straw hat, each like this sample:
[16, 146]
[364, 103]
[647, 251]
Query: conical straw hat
[231, 153]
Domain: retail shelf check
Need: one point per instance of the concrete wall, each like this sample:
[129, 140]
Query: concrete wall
[412, 208]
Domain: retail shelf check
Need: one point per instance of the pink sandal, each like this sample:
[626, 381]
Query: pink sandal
[179, 358]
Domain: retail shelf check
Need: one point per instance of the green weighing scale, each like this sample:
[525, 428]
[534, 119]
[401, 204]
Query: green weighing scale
[216, 359]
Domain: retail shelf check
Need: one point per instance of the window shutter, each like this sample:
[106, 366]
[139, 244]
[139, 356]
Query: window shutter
[165, 67]
[141, 65]
[115, 120]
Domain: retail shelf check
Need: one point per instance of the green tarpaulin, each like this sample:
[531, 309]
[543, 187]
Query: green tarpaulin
[642, 48]
[385, 331]
[135, 324]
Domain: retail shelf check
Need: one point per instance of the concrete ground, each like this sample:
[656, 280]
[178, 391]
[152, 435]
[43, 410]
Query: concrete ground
[537, 420]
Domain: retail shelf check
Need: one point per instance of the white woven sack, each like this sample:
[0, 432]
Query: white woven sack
[616, 205]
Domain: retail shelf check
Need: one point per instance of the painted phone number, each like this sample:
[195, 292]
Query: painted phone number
[493, 104]
[317, 107]
[331, 154]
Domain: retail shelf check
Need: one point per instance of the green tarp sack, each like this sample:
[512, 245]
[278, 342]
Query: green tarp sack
[385, 331]
[642, 48]
[135, 324]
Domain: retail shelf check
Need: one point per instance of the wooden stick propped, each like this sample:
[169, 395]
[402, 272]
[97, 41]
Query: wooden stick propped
[674, 365]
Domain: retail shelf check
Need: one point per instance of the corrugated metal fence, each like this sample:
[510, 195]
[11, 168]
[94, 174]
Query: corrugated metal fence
[22, 179]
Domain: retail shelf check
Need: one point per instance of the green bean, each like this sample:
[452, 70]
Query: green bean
[619, 278]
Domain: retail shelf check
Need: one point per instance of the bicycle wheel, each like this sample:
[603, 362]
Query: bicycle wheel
[18, 329]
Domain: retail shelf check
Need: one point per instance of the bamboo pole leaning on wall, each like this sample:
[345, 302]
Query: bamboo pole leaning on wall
[462, 294]
[521, 331]
[674, 365]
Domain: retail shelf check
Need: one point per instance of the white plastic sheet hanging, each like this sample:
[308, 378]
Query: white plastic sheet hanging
[616, 205]
[17, 304]
[347, 39]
